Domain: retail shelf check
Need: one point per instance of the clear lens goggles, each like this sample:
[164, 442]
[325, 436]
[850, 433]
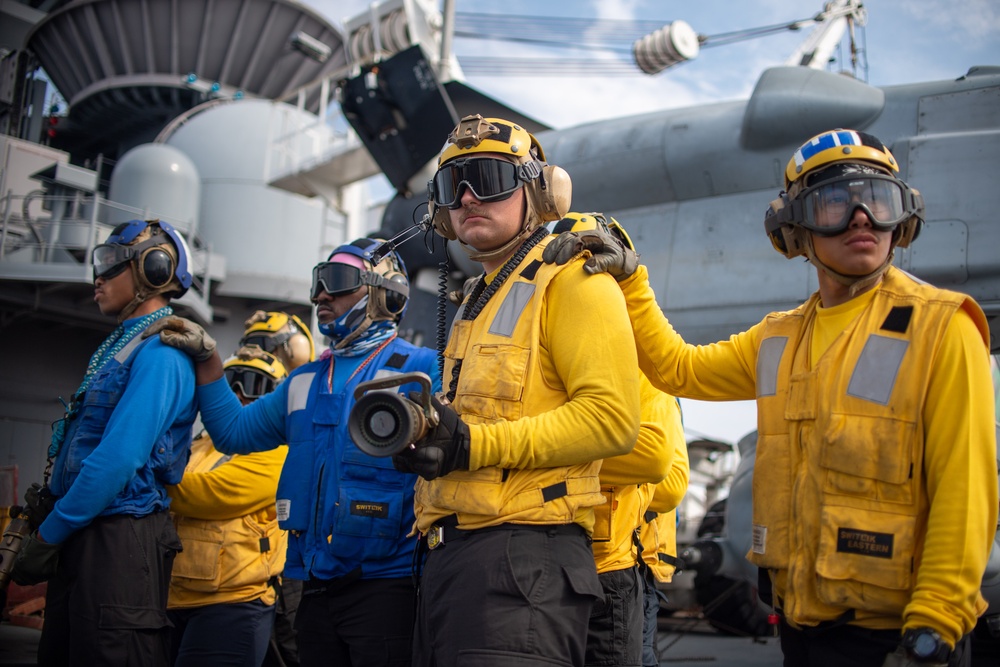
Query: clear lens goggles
[251, 383]
[827, 207]
[489, 179]
[110, 260]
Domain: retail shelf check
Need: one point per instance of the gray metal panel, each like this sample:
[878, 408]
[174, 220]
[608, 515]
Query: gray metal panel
[631, 150]
[791, 104]
[955, 163]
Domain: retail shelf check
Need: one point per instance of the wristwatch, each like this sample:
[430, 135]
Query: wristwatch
[925, 645]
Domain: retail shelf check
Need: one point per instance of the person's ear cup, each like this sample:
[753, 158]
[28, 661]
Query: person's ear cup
[551, 194]
[156, 267]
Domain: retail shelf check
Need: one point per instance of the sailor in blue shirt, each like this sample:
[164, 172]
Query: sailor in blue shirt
[107, 545]
[349, 514]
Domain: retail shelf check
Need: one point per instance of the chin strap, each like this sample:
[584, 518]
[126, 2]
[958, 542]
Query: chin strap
[855, 284]
[140, 296]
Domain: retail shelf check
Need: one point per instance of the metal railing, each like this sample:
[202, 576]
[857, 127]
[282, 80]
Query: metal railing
[50, 239]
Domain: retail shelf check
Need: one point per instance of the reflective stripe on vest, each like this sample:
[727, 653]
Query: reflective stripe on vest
[768, 358]
[510, 310]
[875, 373]
[298, 391]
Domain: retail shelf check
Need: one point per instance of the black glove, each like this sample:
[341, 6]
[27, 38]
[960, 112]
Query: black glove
[608, 254]
[39, 501]
[443, 449]
[36, 561]
[185, 335]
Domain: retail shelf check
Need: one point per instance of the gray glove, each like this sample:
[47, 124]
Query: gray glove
[902, 658]
[443, 449]
[36, 561]
[185, 335]
[609, 255]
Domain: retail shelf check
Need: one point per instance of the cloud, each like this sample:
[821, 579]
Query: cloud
[614, 9]
[955, 21]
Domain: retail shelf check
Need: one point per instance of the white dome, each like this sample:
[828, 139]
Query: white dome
[158, 181]
[271, 238]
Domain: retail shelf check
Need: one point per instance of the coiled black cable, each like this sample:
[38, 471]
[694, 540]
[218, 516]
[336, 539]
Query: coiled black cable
[442, 310]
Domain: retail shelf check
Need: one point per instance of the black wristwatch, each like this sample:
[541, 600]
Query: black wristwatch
[925, 645]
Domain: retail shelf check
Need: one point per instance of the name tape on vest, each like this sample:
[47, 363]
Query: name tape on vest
[864, 542]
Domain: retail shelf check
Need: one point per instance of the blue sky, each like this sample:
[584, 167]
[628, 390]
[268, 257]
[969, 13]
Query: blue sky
[904, 42]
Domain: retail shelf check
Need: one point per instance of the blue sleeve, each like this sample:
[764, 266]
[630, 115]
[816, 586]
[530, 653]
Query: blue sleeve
[160, 392]
[238, 429]
[435, 374]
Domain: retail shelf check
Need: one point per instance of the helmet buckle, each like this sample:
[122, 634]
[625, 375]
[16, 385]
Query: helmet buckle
[529, 171]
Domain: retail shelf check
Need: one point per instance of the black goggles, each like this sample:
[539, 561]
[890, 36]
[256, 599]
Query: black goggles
[335, 279]
[489, 179]
[251, 383]
[267, 342]
[827, 207]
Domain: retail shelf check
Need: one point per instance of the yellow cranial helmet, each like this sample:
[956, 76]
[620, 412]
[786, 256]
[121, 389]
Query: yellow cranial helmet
[836, 146]
[494, 158]
[583, 222]
[253, 371]
[853, 169]
[282, 334]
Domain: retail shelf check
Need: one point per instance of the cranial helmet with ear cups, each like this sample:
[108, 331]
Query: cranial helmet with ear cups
[282, 334]
[388, 286]
[548, 188]
[823, 151]
[157, 252]
[253, 371]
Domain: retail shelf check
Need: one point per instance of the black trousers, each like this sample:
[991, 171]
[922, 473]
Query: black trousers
[366, 623]
[107, 604]
[849, 646]
[501, 597]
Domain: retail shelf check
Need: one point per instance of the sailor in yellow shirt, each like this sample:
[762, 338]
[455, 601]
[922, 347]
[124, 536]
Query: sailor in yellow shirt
[658, 533]
[875, 486]
[222, 590]
[541, 383]
[627, 482]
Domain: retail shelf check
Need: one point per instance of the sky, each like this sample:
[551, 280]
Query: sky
[903, 42]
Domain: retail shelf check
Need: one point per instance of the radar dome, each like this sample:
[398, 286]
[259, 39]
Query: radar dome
[156, 181]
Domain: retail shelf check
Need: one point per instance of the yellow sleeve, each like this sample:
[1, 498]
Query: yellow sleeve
[588, 351]
[653, 455]
[961, 477]
[669, 493]
[723, 371]
[240, 486]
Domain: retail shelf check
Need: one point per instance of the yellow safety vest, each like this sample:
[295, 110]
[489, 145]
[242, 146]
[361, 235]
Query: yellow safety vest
[659, 544]
[839, 509]
[501, 379]
[615, 524]
[230, 560]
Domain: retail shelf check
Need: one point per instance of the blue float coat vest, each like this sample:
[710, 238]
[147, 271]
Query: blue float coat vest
[344, 509]
[145, 493]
